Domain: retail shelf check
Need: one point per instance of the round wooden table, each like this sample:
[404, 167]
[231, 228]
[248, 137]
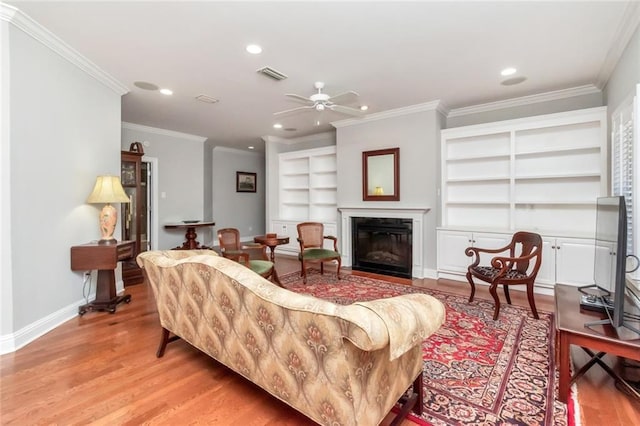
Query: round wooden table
[271, 241]
[190, 235]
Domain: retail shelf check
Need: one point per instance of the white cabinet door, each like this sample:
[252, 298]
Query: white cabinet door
[450, 253]
[547, 271]
[574, 261]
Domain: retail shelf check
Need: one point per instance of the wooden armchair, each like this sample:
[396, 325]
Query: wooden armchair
[311, 238]
[513, 269]
[253, 256]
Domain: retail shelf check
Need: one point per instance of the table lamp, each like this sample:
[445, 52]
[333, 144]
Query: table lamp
[107, 190]
[378, 191]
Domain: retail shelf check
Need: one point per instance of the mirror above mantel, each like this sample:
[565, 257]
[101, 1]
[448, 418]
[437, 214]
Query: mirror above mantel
[381, 175]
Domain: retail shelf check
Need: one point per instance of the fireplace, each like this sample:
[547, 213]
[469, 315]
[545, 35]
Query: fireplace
[382, 245]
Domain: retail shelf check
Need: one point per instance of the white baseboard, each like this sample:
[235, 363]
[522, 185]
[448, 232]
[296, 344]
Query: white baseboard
[14, 341]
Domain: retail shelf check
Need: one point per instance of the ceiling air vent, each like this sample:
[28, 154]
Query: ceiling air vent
[274, 74]
[206, 99]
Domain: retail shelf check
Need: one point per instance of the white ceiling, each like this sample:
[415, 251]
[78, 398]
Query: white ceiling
[393, 54]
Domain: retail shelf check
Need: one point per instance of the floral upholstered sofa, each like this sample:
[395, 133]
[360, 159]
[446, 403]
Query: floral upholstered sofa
[338, 365]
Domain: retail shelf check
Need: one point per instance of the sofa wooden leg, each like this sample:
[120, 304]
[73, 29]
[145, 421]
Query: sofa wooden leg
[414, 402]
[163, 342]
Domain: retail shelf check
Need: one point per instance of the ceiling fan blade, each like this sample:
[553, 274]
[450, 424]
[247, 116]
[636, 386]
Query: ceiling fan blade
[292, 111]
[345, 98]
[346, 110]
[299, 98]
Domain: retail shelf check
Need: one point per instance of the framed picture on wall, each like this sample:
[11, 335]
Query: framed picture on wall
[245, 182]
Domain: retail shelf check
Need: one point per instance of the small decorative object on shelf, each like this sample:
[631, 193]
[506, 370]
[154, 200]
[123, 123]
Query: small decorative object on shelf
[136, 147]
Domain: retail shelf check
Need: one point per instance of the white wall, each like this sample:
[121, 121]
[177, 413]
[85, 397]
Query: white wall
[625, 76]
[179, 175]
[61, 131]
[417, 134]
[242, 210]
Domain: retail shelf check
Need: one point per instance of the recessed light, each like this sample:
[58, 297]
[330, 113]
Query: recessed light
[254, 49]
[166, 92]
[251, 147]
[364, 107]
[277, 126]
[508, 71]
[145, 85]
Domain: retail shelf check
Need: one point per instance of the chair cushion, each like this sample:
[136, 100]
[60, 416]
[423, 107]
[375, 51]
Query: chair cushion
[260, 267]
[318, 253]
[490, 273]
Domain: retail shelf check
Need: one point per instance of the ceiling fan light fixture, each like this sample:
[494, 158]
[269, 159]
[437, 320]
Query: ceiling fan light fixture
[320, 107]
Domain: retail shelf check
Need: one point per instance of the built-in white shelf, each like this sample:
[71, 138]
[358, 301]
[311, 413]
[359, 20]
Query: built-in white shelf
[542, 172]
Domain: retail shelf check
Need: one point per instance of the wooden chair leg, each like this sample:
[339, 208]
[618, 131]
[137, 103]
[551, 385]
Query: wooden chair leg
[321, 267]
[415, 402]
[473, 286]
[532, 302]
[164, 339]
[304, 272]
[339, 264]
[274, 277]
[496, 299]
[506, 293]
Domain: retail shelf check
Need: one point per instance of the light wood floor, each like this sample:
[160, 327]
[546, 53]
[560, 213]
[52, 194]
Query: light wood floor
[102, 369]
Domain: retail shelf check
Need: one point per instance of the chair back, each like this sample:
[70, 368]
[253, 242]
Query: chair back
[229, 239]
[311, 234]
[529, 243]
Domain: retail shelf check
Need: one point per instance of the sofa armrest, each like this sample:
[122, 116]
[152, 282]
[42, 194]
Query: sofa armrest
[409, 319]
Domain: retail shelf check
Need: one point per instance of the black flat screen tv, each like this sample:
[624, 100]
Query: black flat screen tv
[611, 259]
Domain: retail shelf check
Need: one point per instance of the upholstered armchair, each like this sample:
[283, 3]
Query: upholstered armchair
[520, 267]
[253, 256]
[311, 238]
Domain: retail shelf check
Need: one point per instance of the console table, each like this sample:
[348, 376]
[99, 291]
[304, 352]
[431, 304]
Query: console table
[570, 330]
[104, 258]
[190, 235]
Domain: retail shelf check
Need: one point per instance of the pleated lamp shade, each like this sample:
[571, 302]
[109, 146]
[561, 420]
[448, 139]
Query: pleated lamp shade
[108, 189]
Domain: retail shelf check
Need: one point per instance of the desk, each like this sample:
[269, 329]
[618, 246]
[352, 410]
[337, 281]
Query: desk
[570, 330]
[190, 235]
[271, 241]
[104, 258]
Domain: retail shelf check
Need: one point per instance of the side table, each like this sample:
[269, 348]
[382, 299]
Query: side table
[104, 258]
[190, 235]
[271, 241]
[570, 330]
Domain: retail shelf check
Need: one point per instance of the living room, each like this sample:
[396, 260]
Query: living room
[63, 126]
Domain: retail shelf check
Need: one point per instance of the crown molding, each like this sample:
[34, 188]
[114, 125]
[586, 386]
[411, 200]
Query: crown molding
[163, 132]
[330, 136]
[628, 26]
[588, 89]
[235, 150]
[23, 22]
[436, 105]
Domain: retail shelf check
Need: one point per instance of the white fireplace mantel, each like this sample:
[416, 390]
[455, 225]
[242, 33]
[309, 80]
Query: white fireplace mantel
[416, 214]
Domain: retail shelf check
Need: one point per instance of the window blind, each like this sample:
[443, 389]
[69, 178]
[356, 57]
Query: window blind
[624, 166]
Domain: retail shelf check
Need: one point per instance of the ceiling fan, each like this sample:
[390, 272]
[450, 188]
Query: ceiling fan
[321, 101]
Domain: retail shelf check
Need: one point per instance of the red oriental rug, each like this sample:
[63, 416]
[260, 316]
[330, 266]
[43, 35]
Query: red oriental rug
[477, 371]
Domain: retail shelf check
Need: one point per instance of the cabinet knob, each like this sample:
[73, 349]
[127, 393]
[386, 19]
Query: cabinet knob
[553, 247]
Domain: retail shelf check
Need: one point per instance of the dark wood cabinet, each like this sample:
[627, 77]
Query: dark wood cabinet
[134, 214]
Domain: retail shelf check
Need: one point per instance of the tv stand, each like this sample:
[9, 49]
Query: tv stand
[570, 330]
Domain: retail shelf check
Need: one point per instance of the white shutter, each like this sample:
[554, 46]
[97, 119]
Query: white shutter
[624, 168]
